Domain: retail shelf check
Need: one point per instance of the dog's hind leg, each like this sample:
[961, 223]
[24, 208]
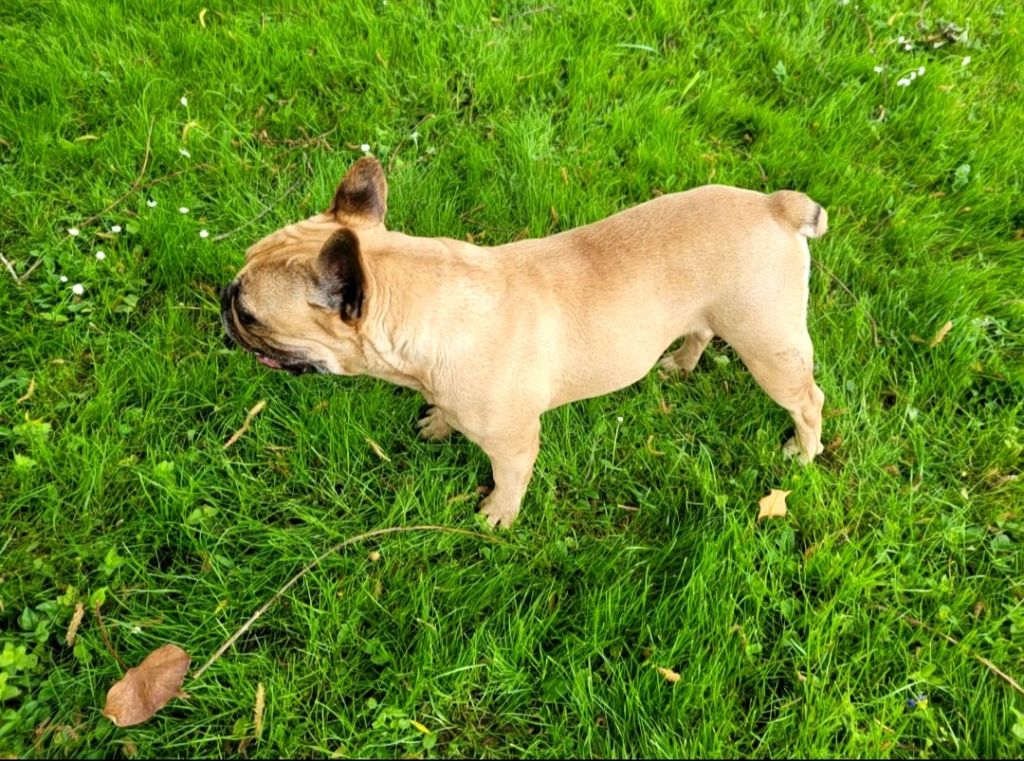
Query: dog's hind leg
[784, 368]
[685, 358]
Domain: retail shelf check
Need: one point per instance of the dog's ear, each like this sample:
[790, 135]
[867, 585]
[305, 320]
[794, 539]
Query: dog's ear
[340, 275]
[362, 196]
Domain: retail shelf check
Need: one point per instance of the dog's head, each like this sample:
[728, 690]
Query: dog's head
[298, 301]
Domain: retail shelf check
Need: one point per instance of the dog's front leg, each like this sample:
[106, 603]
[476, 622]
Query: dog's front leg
[512, 456]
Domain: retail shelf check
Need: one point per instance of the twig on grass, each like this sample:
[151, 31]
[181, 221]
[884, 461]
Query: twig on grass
[831, 274]
[954, 641]
[106, 639]
[10, 269]
[314, 563]
[258, 217]
[136, 185]
[249, 417]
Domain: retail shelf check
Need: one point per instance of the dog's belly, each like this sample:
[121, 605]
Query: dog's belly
[609, 366]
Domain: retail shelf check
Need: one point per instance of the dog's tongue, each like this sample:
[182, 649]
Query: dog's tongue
[271, 363]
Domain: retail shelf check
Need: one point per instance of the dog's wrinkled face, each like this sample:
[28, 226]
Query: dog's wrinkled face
[297, 302]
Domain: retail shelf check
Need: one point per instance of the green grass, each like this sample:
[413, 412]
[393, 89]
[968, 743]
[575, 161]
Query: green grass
[799, 637]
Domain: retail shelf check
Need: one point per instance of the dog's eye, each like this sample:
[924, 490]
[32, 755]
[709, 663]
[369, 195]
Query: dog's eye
[244, 317]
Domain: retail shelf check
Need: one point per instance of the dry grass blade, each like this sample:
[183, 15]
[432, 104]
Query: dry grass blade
[940, 335]
[257, 710]
[377, 449]
[28, 394]
[76, 621]
[668, 674]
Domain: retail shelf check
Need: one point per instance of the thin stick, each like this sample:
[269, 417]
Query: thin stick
[106, 639]
[314, 563]
[954, 641]
[30, 270]
[258, 217]
[135, 185]
[831, 274]
[10, 269]
[249, 417]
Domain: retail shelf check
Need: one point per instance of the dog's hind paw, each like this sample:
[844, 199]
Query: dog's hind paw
[792, 449]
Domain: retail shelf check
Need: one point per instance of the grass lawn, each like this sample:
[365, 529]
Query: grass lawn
[873, 620]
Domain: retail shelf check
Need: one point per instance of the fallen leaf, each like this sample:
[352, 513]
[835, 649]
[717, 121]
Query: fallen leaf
[377, 449]
[76, 621]
[941, 334]
[374, 556]
[256, 410]
[148, 687]
[202, 18]
[420, 727]
[773, 505]
[651, 448]
[669, 674]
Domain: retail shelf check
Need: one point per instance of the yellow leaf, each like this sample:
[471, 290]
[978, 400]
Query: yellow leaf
[420, 727]
[773, 505]
[202, 18]
[669, 674]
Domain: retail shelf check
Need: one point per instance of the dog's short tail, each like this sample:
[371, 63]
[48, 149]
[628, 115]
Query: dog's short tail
[800, 212]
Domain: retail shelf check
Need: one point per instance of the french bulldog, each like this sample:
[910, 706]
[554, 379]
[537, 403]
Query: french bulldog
[493, 337]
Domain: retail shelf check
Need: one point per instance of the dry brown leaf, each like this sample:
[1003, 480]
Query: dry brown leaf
[76, 621]
[148, 687]
[669, 674]
[256, 410]
[773, 505]
[377, 449]
[941, 334]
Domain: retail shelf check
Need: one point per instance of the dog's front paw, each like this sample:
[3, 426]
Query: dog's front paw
[498, 514]
[792, 449]
[432, 425]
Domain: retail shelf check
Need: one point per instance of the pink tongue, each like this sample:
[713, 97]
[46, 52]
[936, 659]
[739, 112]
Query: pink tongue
[271, 363]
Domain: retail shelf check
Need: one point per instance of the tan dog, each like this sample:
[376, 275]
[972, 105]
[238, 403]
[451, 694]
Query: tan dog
[494, 337]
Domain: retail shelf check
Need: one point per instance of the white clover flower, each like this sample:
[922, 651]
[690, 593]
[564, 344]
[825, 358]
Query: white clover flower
[100, 256]
[183, 209]
[913, 76]
[879, 70]
[115, 229]
[77, 289]
[620, 418]
[901, 40]
[72, 231]
[63, 278]
[920, 72]
[204, 234]
[184, 152]
[184, 100]
[908, 46]
[967, 60]
[365, 148]
[151, 203]
[903, 82]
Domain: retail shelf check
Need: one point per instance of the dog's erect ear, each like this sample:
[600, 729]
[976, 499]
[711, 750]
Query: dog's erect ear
[362, 196]
[341, 275]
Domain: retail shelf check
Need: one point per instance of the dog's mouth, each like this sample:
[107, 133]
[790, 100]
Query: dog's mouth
[235, 336]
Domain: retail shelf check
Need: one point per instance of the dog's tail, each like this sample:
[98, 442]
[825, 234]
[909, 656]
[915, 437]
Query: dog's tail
[799, 212]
